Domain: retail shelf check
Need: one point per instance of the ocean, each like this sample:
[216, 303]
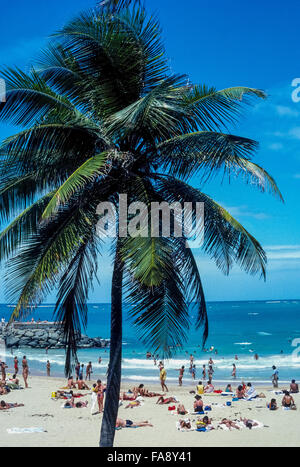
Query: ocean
[269, 328]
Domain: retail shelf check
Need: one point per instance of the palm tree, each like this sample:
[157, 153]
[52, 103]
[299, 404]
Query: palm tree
[101, 115]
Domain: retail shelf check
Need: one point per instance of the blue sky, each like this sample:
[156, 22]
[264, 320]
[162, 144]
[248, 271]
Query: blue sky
[222, 44]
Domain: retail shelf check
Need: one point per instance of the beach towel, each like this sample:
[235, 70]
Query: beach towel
[94, 401]
[241, 425]
[174, 412]
[33, 429]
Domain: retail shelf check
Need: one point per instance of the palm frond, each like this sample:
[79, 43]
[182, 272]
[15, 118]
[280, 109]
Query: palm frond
[22, 228]
[226, 241]
[206, 153]
[29, 99]
[210, 109]
[33, 272]
[160, 313]
[71, 306]
[87, 172]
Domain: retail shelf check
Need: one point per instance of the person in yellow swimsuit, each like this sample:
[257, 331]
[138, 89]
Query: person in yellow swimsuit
[163, 377]
[200, 388]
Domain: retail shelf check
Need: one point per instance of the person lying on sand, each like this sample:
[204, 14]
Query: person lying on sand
[181, 410]
[75, 405]
[248, 423]
[126, 397]
[229, 424]
[3, 390]
[185, 424]
[167, 400]
[133, 404]
[120, 423]
[68, 395]
[287, 400]
[5, 406]
[204, 423]
[272, 405]
[142, 391]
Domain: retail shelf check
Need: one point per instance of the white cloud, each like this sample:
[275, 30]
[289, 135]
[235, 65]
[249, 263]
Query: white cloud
[276, 146]
[283, 252]
[243, 211]
[295, 132]
[286, 111]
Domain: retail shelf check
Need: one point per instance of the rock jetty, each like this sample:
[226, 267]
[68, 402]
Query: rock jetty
[44, 335]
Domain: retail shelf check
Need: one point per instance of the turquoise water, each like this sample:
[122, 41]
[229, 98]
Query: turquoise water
[268, 328]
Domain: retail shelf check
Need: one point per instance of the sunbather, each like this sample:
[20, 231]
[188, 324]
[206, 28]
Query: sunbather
[229, 424]
[78, 405]
[144, 392]
[206, 422]
[294, 388]
[249, 423]
[120, 423]
[161, 400]
[287, 400]
[133, 404]
[209, 388]
[198, 404]
[181, 410]
[240, 392]
[127, 397]
[82, 385]
[272, 405]
[185, 424]
[5, 406]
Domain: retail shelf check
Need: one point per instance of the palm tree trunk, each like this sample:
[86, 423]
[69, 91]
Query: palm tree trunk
[114, 373]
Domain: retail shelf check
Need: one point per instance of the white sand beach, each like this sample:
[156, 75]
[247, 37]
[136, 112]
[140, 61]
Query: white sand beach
[78, 427]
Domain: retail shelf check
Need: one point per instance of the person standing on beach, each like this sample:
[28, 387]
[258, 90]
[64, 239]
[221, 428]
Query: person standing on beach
[77, 370]
[48, 367]
[25, 370]
[233, 374]
[275, 377]
[210, 373]
[204, 372]
[3, 371]
[194, 371]
[16, 365]
[100, 389]
[163, 377]
[191, 360]
[181, 372]
[89, 371]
